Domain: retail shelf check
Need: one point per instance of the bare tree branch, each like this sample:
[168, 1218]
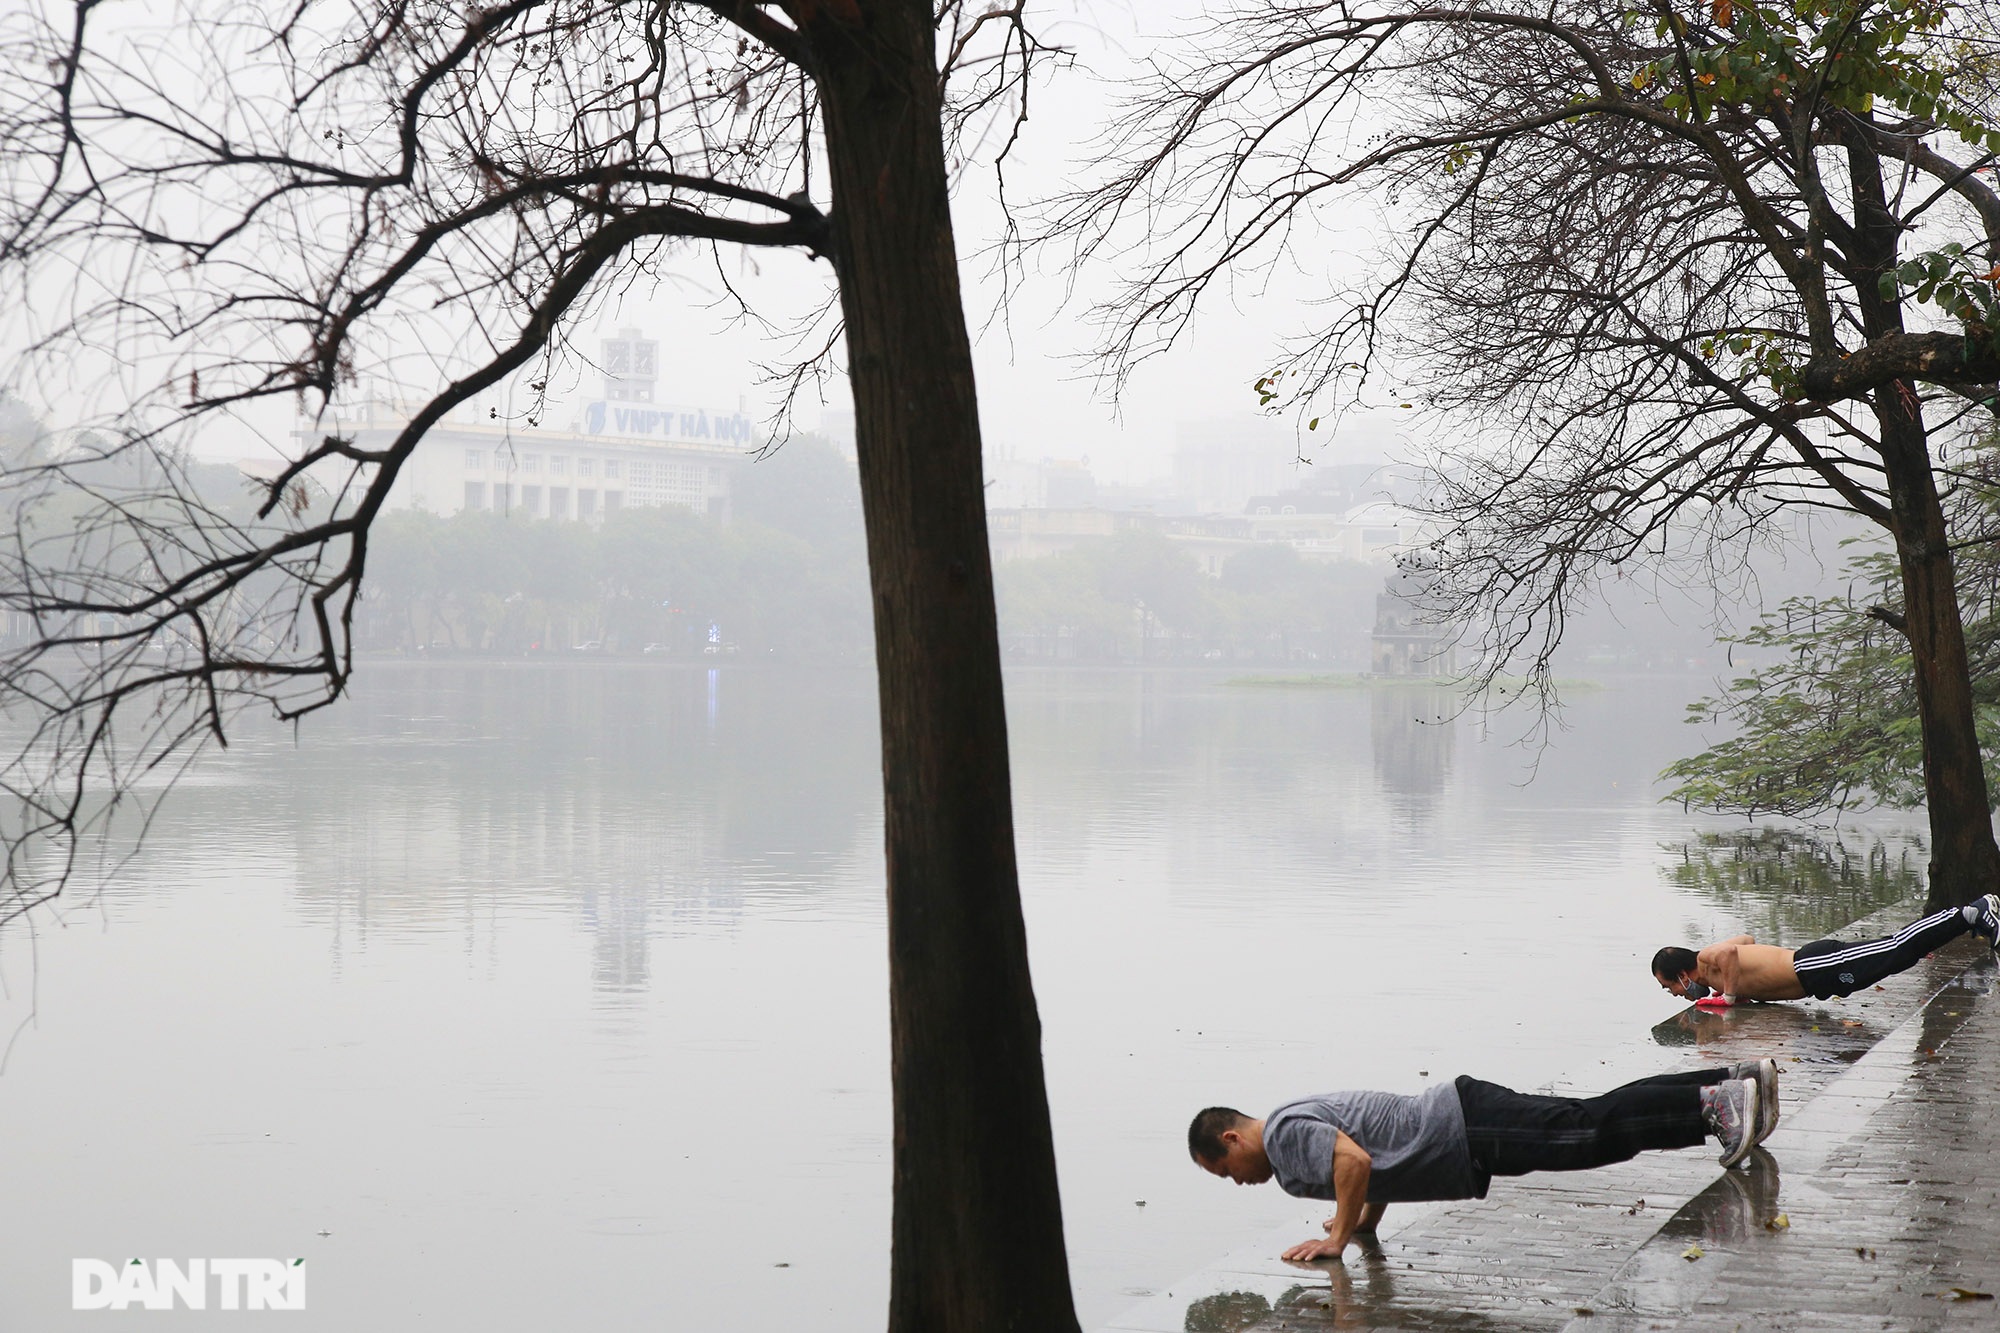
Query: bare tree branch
[361, 186]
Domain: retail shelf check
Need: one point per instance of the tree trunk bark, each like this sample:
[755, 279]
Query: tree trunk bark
[1965, 861]
[977, 1239]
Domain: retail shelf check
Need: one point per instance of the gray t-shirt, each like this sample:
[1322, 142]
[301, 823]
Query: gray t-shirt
[1416, 1145]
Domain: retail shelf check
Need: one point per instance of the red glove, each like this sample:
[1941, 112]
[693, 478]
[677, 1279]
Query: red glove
[1716, 1001]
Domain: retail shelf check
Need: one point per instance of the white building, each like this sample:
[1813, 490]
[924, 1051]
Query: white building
[622, 449]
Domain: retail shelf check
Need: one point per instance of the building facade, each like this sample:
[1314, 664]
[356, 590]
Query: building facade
[621, 449]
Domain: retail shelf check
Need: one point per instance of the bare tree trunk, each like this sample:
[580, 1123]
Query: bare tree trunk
[1964, 859]
[977, 1234]
[1965, 862]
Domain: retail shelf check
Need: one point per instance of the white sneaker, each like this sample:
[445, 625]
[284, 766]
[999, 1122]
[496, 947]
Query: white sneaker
[1730, 1111]
[1765, 1073]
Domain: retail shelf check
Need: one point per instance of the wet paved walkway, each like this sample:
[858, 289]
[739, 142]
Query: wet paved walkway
[1875, 1205]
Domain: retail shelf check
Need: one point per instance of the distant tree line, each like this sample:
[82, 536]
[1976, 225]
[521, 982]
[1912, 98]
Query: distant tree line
[1141, 597]
[643, 580]
[785, 576]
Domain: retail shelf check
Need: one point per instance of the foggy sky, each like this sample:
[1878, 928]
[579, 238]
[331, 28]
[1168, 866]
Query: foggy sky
[1038, 397]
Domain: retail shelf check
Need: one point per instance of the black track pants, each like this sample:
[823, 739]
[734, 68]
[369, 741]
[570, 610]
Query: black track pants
[1828, 968]
[1512, 1133]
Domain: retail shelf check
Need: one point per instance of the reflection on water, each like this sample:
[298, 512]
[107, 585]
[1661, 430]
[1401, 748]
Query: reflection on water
[1227, 1312]
[1789, 884]
[641, 802]
[1807, 1029]
[1358, 1294]
[1739, 1204]
[1411, 729]
[1942, 1019]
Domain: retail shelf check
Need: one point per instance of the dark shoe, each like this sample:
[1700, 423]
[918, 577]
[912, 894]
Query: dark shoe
[1730, 1112]
[1983, 915]
[1765, 1073]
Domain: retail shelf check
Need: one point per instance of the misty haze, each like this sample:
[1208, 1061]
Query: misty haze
[664, 665]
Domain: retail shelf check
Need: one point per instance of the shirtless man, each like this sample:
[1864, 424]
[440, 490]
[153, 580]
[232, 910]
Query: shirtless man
[1739, 968]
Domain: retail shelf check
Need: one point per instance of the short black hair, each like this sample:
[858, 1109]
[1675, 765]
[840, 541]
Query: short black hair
[1674, 961]
[1205, 1132]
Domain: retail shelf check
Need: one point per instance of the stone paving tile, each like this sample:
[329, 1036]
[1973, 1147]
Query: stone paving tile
[1878, 1167]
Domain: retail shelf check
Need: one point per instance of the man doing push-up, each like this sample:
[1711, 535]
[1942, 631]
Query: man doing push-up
[1739, 968]
[1366, 1150]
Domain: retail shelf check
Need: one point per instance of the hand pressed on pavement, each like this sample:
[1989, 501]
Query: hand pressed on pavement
[1315, 1249]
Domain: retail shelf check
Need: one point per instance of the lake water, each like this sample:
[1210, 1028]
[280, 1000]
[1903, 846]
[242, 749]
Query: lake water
[527, 997]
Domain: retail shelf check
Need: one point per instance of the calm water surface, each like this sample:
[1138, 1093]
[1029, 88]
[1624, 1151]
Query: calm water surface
[521, 998]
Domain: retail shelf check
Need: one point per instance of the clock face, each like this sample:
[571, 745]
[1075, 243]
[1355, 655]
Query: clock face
[631, 358]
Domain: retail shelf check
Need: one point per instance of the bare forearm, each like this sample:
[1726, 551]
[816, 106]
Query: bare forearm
[1351, 1168]
[1347, 1217]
